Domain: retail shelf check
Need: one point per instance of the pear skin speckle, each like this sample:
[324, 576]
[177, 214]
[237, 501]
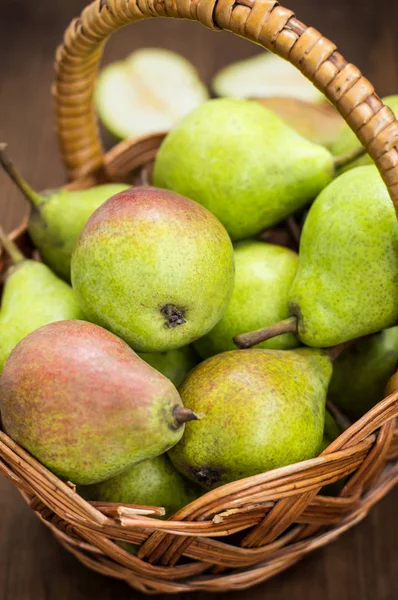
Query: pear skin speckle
[56, 225]
[32, 297]
[263, 409]
[152, 482]
[155, 268]
[361, 373]
[243, 163]
[84, 404]
[346, 285]
[263, 277]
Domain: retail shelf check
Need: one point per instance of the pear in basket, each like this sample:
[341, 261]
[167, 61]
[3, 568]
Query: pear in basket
[242, 162]
[174, 364]
[263, 276]
[85, 405]
[152, 482]
[155, 268]
[361, 373]
[347, 140]
[57, 217]
[346, 285]
[263, 409]
[32, 297]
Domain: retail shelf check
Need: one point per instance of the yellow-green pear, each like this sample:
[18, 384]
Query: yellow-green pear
[262, 409]
[58, 216]
[243, 163]
[263, 276]
[174, 364]
[152, 482]
[346, 285]
[361, 373]
[347, 141]
[32, 297]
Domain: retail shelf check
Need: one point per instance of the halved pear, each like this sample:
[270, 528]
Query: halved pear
[148, 92]
[319, 122]
[264, 75]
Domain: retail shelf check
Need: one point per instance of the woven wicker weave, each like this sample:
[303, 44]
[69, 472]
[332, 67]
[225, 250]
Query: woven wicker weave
[247, 531]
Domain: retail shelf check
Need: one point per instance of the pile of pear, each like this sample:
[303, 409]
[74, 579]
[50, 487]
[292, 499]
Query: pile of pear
[161, 348]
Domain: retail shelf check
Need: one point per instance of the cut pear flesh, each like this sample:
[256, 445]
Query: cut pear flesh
[264, 75]
[148, 92]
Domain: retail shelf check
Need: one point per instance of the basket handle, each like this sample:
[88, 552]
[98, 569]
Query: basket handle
[264, 22]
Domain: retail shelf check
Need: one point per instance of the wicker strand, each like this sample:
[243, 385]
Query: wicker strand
[264, 22]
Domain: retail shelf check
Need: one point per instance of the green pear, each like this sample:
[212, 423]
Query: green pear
[155, 268]
[174, 364]
[58, 217]
[243, 163]
[346, 285]
[265, 75]
[255, 417]
[318, 122]
[147, 92]
[32, 296]
[263, 276]
[85, 405]
[152, 482]
[347, 141]
[361, 373]
[331, 430]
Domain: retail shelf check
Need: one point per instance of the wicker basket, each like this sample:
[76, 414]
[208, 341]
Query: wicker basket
[247, 531]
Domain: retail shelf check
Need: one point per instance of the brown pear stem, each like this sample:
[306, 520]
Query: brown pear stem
[247, 340]
[183, 415]
[11, 248]
[346, 159]
[335, 351]
[33, 197]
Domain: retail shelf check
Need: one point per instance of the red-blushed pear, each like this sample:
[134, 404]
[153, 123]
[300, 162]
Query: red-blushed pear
[153, 267]
[85, 405]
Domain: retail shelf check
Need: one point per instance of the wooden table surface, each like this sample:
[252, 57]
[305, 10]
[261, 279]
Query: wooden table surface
[362, 565]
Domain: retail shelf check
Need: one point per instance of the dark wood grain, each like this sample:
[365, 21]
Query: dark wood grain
[362, 565]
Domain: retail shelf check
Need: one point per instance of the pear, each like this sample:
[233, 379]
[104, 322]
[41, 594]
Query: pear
[346, 285]
[392, 385]
[318, 122]
[152, 482]
[331, 430]
[264, 75]
[85, 405]
[32, 296]
[263, 276]
[174, 364]
[361, 373]
[147, 92]
[58, 217]
[155, 268]
[347, 140]
[243, 163]
[255, 417]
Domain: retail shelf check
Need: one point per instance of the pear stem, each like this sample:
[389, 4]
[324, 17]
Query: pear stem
[345, 159]
[33, 197]
[247, 340]
[183, 415]
[11, 248]
[335, 351]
